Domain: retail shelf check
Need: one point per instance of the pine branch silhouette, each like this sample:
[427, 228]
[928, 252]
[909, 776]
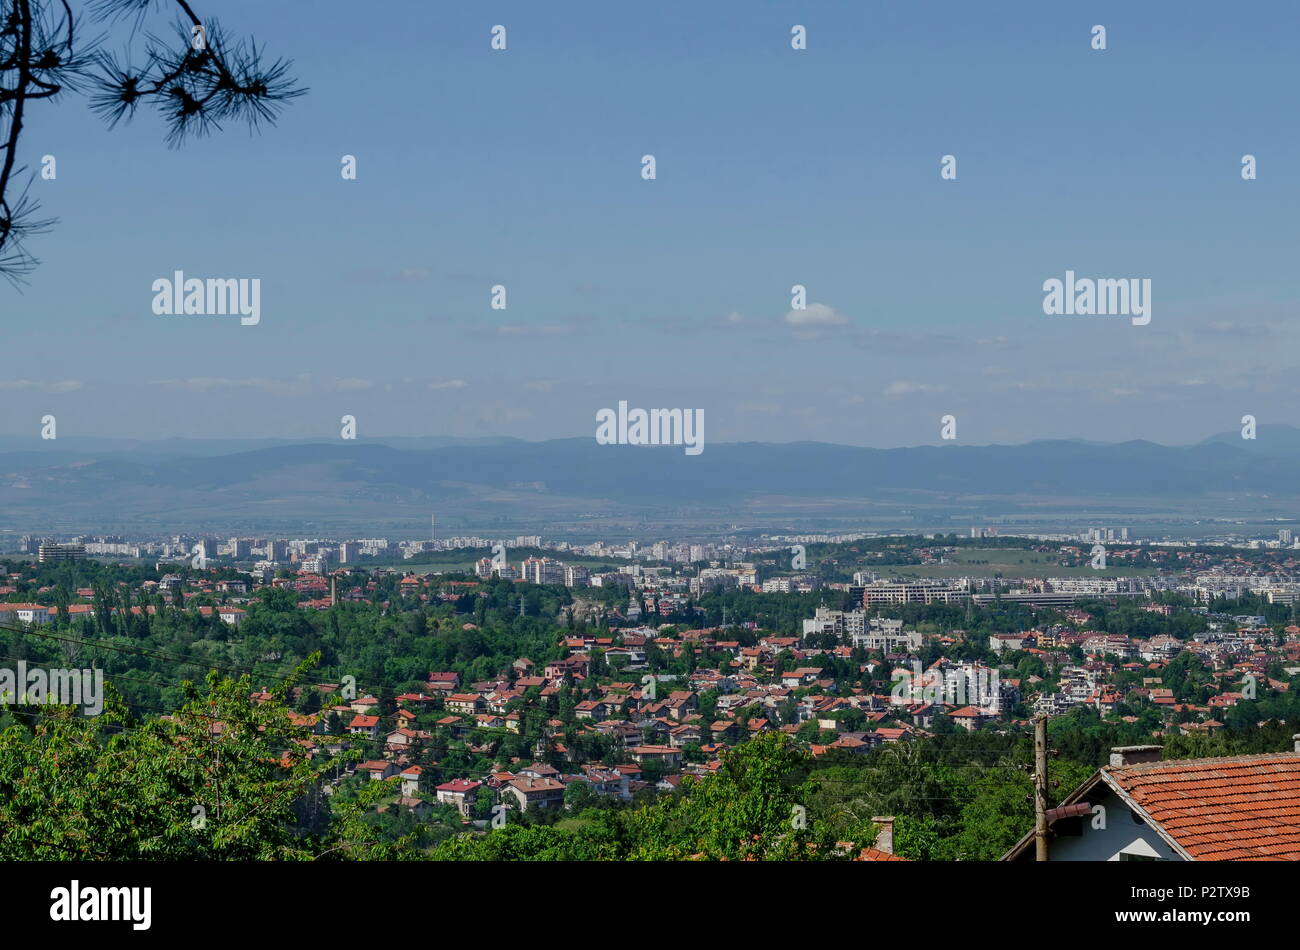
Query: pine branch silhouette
[197, 78]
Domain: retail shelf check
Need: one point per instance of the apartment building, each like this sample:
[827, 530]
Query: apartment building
[49, 551]
[867, 633]
[893, 593]
[542, 570]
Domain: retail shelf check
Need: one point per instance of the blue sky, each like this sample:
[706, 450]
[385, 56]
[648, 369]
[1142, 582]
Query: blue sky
[775, 167]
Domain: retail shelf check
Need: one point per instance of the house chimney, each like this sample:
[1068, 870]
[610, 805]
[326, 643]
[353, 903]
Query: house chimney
[885, 836]
[1133, 755]
[1296, 739]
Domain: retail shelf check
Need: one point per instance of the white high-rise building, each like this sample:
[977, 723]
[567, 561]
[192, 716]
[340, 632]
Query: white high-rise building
[316, 564]
[542, 570]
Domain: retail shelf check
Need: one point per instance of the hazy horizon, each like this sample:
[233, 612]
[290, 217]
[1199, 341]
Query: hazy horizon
[16, 441]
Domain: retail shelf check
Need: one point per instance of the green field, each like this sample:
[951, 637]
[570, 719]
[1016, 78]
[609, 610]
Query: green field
[1009, 562]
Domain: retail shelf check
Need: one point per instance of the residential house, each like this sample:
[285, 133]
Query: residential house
[528, 793]
[461, 792]
[362, 725]
[1234, 808]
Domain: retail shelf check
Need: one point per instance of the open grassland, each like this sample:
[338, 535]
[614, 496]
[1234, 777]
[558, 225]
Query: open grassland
[1009, 562]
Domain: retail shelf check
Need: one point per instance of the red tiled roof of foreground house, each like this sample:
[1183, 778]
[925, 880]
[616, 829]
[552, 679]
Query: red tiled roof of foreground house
[875, 854]
[1239, 808]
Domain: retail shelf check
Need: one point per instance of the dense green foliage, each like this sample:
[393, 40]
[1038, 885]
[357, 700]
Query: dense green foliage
[223, 779]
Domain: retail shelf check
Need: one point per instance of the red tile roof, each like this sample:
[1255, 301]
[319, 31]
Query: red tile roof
[875, 854]
[1240, 808]
[460, 785]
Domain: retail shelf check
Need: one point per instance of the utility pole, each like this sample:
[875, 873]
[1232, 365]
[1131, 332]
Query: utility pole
[1040, 787]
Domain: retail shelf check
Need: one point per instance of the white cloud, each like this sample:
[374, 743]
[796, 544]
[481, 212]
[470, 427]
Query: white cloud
[905, 387]
[299, 384]
[61, 386]
[526, 329]
[352, 382]
[815, 315]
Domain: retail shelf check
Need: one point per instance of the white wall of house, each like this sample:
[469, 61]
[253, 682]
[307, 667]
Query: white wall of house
[1121, 834]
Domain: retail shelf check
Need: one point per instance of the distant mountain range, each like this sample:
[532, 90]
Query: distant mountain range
[97, 485]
